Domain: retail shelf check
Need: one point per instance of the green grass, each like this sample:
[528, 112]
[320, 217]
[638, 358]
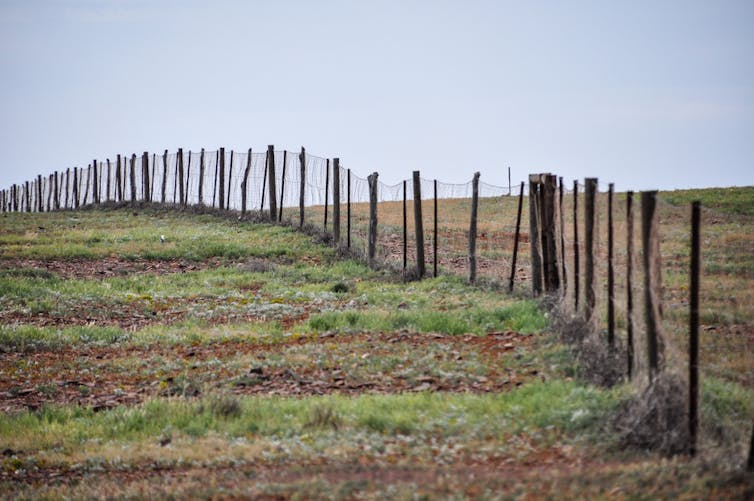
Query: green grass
[739, 200]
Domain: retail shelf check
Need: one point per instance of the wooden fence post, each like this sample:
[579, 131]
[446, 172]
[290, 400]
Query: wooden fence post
[264, 181]
[133, 179]
[372, 244]
[434, 233]
[405, 230]
[327, 188]
[473, 227]
[652, 282]
[336, 200]
[547, 224]
[694, 327]
[271, 184]
[348, 209]
[214, 184]
[282, 186]
[590, 242]
[88, 183]
[49, 193]
[419, 225]
[245, 182]
[515, 240]
[118, 185]
[230, 178]
[576, 259]
[534, 232]
[629, 283]
[181, 192]
[39, 193]
[109, 180]
[610, 270]
[95, 184]
[27, 197]
[188, 181]
[67, 186]
[201, 177]
[564, 273]
[302, 186]
[145, 173]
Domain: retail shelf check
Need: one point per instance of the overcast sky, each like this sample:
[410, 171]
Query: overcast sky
[648, 94]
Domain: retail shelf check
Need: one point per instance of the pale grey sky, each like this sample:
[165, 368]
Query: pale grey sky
[648, 94]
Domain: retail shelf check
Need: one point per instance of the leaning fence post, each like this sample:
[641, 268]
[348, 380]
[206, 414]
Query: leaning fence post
[302, 186]
[75, 190]
[271, 184]
[118, 186]
[188, 181]
[629, 283]
[515, 240]
[610, 270]
[473, 227]
[145, 174]
[39, 193]
[214, 183]
[49, 193]
[181, 193]
[67, 186]
[652, 282]
[109, 180]
[245, 182]
[95, 184]
[88, 183]
[282, 186]
[372, 244]
[590, 242]
[694, 327]
[336, 200]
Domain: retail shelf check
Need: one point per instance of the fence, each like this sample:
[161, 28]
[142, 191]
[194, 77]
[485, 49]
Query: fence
[304, 189]
[597, 252]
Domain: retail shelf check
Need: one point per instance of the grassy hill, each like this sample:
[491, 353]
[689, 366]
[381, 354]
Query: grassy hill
[239, 359]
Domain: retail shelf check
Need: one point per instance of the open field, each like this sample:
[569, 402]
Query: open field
[237, 359]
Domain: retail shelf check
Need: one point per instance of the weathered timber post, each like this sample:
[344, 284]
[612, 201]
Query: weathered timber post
[282, 185]
[95, 184]
[576, 259]
[419, 226]
[118, 175]
[181, 191]
[327, 188]
[58, 188]
[49, 194]
[214, 184]
[405, 230]
[230, 178]
[652, 282]
[109, 180]
[473, 227]
[610, 270]
[76, 186]
[348, 209]
[27, 197]
[590, 242]
[188, 181]
[515, 240]
[88, 183]
[547, 225]
[302, 186]
[434, 233]
[372, 243]
[271, 184]
[534, 232]
[336, 200]
[145, 175]
[201, 177]
[564, 274]
[245, 182]
[264, 181]
[163, 187]
[39, 193]
[629, 283]
[133, 179]
[694, 327]
[67, 186]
